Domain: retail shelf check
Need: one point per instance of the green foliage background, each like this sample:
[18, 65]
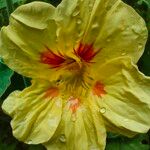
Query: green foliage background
[13, 81]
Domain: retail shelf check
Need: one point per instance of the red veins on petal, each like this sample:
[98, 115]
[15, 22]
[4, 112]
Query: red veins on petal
[86, 52]
[52, 59]
[52, 92]
[74, 104]
[98, 89]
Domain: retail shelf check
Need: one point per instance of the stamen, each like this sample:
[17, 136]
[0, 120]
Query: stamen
[98, 89]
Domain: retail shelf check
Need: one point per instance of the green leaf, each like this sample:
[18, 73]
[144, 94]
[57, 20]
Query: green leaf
[140, 142]
[147, 2]
[5, 75]
[36, 147]
[7, 147]
[112, 135]
[3, 3]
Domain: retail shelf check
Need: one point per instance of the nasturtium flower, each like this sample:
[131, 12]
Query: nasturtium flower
[82, 59]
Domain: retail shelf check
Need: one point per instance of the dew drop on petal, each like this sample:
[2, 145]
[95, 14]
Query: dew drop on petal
[29, 142]
[103, 110]
[95, 25]
[122, 28]
[58, 103]
[90, 5]
[62, 138]
[108, 40]
[123, 54]
[144, 29]
[145, 37]
[126, 120]
[20, 108]
[136, 30]
[79, 21]
[56, 40]
[74, 117]
[93, 148]
[124, 33]
[75, 13]
[140, 47]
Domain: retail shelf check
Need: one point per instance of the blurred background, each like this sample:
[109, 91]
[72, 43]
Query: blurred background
[14, 81]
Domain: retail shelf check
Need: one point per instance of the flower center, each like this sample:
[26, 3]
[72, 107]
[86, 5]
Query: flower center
[85, 53]
[76, 70]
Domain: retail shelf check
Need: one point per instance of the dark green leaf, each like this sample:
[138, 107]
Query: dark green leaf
[36, 147]
[5, 75]
[140, 142]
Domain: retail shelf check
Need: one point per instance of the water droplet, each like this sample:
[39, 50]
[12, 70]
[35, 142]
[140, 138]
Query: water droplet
[140, 47]
[79, 21]
[53, 121]
[58, 103]
[95, 25]
[94, 148]
[29, 142]
[125, 33]
[103, 110]
[145, 37]
[136, 30]
[20, 108]
[126, 120]
[62, 138]
[108, 40]
[143, 29]
[74, 117]
[122, 28]
[56, 40]
[90, 5]
[123, 54]
[75, 13]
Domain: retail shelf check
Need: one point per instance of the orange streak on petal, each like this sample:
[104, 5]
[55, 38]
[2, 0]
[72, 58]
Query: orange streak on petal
[98, 89]
[52, 92]
[74, 104]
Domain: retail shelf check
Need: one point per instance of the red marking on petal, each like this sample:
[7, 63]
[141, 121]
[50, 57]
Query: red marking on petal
[52, 59]
[52, 92]
[74, 104]
[86, 52]
[98, 89]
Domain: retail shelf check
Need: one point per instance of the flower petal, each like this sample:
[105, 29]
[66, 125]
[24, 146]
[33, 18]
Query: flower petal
[31, 32]
[125, 106]
[117, 30]
[35, 115]
[83, 129]
[72, 18]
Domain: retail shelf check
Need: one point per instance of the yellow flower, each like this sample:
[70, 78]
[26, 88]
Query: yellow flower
[81, 57]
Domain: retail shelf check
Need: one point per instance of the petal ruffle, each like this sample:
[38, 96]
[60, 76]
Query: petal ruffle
[35, 115]
[37, 26]
[72, 19]
[125, 105]
[31, 32]
[119, 32]
[83, 130]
